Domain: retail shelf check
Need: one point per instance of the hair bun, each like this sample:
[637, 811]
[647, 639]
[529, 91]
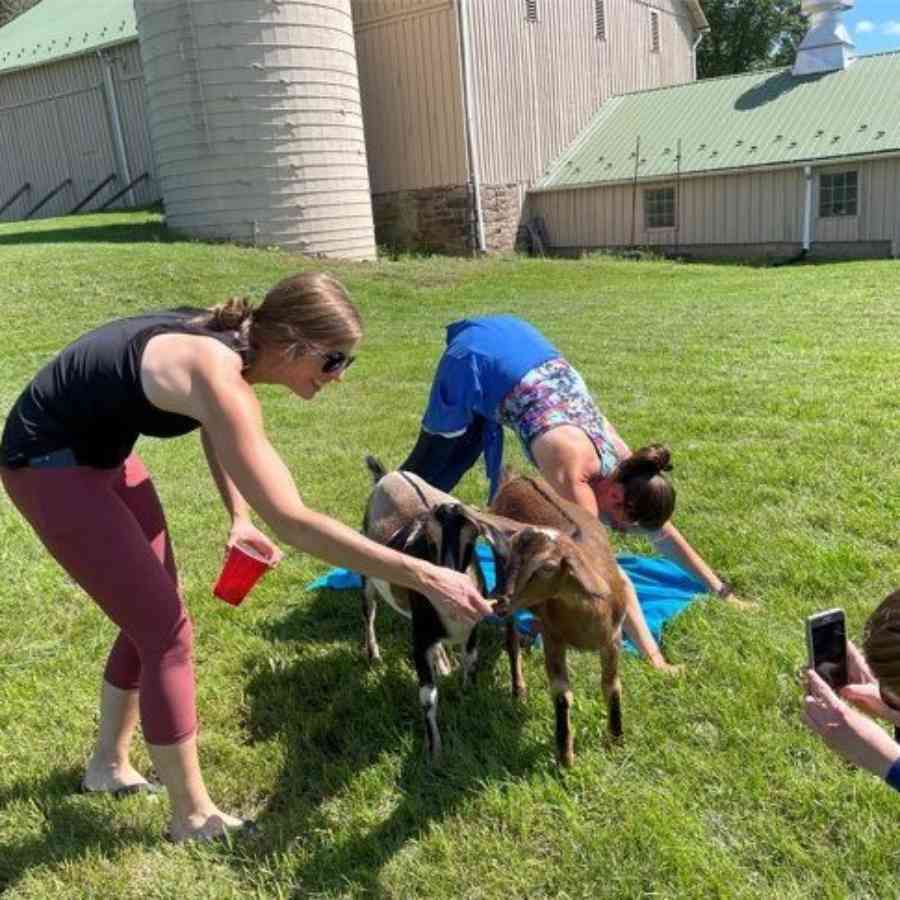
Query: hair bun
[230, 315]
[648, 461]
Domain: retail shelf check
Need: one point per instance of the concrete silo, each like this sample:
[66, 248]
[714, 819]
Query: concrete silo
[256, 124]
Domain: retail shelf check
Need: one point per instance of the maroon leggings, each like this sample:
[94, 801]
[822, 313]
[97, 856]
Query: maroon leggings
[106, 528]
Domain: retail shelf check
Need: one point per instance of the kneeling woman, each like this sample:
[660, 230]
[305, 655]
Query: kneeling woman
[67, 463]
[500, 370]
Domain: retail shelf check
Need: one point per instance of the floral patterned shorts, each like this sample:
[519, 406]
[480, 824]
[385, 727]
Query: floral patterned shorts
[554, 394]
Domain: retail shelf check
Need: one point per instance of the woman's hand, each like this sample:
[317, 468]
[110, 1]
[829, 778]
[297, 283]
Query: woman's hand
[858, 671]
[245, 532]
[454, 593]
[868, 698]
[845, 730]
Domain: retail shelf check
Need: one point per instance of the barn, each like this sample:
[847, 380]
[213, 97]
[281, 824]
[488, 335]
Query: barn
[73, 124]
[460, 106]
[784, 163]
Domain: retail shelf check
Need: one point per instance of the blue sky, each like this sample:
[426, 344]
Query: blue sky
[874, 25]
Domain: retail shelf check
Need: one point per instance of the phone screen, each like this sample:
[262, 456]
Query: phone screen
[829, 649]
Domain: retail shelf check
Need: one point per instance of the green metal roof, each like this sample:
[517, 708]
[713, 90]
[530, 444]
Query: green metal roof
[738, 121]
[55, 29]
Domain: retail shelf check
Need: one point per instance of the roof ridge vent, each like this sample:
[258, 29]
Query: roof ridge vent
[827, 46]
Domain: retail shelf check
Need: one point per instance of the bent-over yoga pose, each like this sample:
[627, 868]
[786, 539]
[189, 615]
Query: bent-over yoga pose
[500, 370]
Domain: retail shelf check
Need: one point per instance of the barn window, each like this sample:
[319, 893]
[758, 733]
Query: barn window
[837, 195]
[600, 20]
[531, 10]
[654, 31]
[659, 208]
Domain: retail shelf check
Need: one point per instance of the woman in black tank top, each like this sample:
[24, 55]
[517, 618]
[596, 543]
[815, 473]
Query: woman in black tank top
[67, 463]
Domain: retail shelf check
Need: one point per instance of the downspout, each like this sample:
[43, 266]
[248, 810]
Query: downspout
[116, 120]
[807, 210]
[694, 47]
[807, 222]
[472, 141]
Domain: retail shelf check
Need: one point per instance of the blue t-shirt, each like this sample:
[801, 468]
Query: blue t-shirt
[485, 359]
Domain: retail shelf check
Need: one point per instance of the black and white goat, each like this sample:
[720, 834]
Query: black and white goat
[406, 513]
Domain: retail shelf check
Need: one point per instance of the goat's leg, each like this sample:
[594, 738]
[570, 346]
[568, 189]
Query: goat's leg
[369, 608]
[470, 656]
[427, 632]
[514, 651]
[558, 674]
[612, 687]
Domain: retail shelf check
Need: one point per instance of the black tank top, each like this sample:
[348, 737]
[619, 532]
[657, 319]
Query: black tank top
[89, 399]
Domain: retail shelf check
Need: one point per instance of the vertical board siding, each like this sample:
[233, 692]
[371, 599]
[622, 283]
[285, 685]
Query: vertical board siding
[55, 124]
[539, 83]
[255, 117]
[741, 208]
[751, 208]
[411, 88]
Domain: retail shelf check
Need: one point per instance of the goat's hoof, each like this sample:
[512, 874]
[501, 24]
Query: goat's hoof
[373, 654]
[567, 760]
[520, 693]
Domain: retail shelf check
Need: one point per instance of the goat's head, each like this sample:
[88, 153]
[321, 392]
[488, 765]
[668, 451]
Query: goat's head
[542, 563]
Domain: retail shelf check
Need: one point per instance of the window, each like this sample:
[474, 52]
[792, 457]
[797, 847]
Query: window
[659, 208]
[531, 10]
[654, 31]
[837, 195]
[600, 20]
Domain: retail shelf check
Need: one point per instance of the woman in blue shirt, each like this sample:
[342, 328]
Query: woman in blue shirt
[500, 370]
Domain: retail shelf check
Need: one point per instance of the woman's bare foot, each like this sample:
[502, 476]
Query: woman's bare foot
[209, 827]
[661, 665]
[745, 605]
[110, 775]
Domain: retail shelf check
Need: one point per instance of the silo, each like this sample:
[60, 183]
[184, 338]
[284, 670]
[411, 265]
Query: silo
[256, 123]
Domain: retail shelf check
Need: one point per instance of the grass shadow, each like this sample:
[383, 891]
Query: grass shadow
[74, 826]
[353, 730]
[114, 233]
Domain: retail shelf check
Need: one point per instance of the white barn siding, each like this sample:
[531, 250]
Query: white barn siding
[54, 124]
[746, 208]
[538, 83]
[410, 84]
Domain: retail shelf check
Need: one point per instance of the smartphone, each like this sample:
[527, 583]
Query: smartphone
[826, 640]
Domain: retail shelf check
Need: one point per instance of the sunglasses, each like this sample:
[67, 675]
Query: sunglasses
[335, 361]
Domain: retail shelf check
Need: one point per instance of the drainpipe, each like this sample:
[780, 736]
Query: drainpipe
[470, 119]
[807, 209]
[116, 120]
[694, 47]
[807, 222]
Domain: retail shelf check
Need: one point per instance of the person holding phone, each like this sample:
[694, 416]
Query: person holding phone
[873, 685]
[500, 370]
[67, 462]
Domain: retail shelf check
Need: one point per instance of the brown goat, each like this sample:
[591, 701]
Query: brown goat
[580, 598]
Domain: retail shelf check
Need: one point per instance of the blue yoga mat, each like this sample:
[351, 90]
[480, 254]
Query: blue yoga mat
[663, 588]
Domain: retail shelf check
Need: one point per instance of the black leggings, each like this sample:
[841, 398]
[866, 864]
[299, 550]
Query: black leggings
[442, 461]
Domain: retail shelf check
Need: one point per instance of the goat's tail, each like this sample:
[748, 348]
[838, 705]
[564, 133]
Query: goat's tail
[376, 468]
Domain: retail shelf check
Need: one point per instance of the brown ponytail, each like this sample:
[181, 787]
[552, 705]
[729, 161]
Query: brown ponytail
[649, 495]
[231, 315]
[881, 643]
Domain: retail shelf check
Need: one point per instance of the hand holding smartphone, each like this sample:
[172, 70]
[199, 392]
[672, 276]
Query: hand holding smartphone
[826, 640]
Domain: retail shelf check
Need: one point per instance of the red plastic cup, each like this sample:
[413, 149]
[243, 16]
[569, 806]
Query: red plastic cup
[243, 568]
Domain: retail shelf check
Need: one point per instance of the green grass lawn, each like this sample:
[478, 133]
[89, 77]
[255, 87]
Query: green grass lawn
[778, 391]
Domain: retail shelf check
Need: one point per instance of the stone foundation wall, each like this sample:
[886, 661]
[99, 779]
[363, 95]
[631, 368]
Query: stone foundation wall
[773, 250]
[442, 219]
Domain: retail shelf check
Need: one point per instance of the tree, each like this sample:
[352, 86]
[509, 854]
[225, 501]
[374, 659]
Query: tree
[749, 34]
[9, 9]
